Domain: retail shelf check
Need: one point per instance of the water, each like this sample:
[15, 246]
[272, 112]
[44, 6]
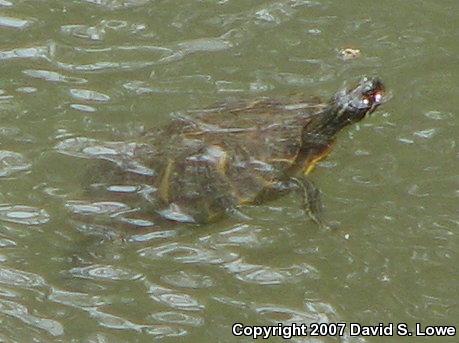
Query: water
[72, 271]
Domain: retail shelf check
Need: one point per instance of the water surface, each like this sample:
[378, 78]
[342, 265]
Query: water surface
[72, 269]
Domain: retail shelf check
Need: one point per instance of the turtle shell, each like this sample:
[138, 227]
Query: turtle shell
[212, 160]
[206, 163]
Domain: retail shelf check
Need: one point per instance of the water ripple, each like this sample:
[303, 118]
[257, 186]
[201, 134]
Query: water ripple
[107, 68]
[52, 76]
[122, 56]
[39, 52]
[78, 300]
[6, 3]
[117, 4]
[189, 253]
[240, 235]
[185, 279]
[104, 207]
[177, 318]
[23, 215]
[113, 322]
[287, 315]
[89, 95]
[15, 135]
[11, 163]
[106, 232]
[92, 33]
[211, 44]
[7, 243]
[104, 272]
[173, 299]
[16, 310]
[160, 331]
[26, 90]
[185, 84]
[149, 236]
[265, 275]
[14, 23]
[121, 153]
[83, 108]
[18, 278]
[427, 134]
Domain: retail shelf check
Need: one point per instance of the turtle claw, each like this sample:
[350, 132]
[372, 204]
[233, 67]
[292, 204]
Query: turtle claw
[312, 203]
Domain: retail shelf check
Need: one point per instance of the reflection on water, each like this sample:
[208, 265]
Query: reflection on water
[81, 82]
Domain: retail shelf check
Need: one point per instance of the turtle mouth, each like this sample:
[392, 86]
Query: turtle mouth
[376, 99]
[366, 97]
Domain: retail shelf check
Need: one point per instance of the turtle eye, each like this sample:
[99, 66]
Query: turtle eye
[374, 98]
[366, 101]
[378, 97]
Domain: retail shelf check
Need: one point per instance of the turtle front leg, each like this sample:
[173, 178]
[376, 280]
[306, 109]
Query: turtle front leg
[312, 202]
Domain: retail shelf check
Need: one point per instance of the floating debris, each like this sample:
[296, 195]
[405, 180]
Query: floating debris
[349, 54]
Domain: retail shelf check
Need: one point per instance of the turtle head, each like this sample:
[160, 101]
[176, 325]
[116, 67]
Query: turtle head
[353, 104]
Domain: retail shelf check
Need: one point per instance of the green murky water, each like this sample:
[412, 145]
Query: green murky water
[72, 271]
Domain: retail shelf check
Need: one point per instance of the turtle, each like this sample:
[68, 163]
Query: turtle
[209, 163]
